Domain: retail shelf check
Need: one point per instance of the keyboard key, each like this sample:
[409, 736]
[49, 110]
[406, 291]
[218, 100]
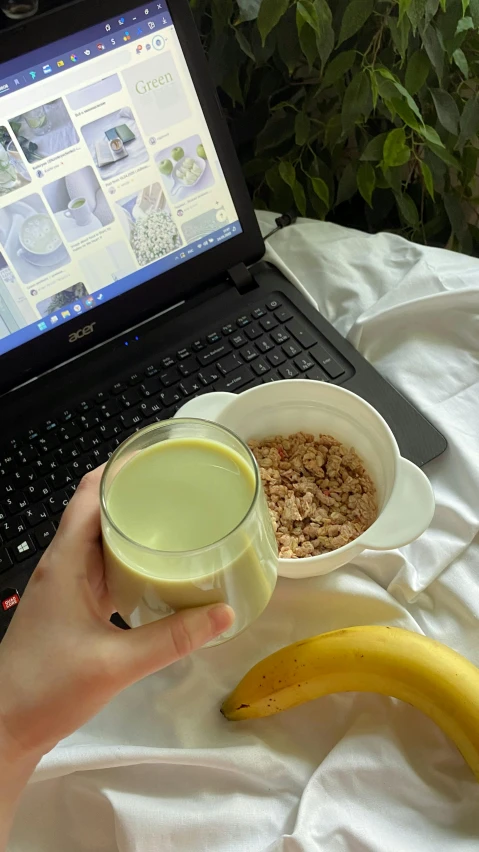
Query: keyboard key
[57, 502]
[213, 337]
[109, 409]
[279, 336]
[288, 371]
[9, 599]
[183, 354]
[190, 386]
[168, 362]
[258, 313]
[170, 397]
[230, 363]
[304, 363]
[27, 454]
[130, 397]
[134, 379]
[68, 432]
[254, 331]
[238, 340]
[149, 408]
[39, 490]
[198, 345]
[6, 488]
[301, 334]
[236, 380]
[22, 477]
[107, 430]
[84, 406]
[169, 377]
[316, 375]
[213, 354]
[241, 322]
[274, 304]
[66, 415]
[59, 479]
[264, 344]
[260, 367]
[49, 442]
[208, 377]
[325, 360]
[228, 329]
[101, 397]
[22, 548]
[291, 350]
[5, 560]
[49, 426]
[283, 315]
[186, 368]
[276, 358]
[268, 323]
[64, 454]
[118, 387]
[150, 371]
[17, 502]
[248, 353]
[7, 464]
[131, 418]
[10, 529]
[89, 421]
[44, 534]
[149, 388]
[35, 515]
[3, 513]
[87, 442]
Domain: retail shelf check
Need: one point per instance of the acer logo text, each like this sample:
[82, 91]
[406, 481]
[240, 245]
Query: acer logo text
[83, 332]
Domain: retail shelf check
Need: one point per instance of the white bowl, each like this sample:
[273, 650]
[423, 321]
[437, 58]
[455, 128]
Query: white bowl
[405, 496]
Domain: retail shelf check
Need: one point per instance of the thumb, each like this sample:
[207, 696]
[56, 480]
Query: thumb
[145, 650]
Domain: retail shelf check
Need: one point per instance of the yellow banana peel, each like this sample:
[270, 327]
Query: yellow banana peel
[386, 660]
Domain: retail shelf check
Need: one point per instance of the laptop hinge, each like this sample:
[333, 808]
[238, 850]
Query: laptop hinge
[242, 278]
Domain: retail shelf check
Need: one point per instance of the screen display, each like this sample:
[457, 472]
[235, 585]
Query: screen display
[108, 172]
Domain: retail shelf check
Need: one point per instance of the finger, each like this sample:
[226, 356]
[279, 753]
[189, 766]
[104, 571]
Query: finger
[148, 649]
[80, 523]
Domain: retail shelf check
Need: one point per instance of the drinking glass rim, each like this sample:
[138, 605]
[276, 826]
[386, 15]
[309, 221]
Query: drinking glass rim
[198, 550]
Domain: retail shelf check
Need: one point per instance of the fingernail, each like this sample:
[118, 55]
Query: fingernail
[221, 618]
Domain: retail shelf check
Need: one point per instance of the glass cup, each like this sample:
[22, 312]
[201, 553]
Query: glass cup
[8, 173]
[18, 9]
[38, 121]
[147, 584]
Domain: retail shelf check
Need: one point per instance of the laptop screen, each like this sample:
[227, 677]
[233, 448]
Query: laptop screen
[108, 172]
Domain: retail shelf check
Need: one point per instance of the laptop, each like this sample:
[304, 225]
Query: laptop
[131, 284]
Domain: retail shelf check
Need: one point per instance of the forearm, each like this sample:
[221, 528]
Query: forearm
[15, 771]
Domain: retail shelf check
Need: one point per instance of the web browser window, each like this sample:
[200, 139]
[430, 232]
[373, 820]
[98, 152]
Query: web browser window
[108, 172]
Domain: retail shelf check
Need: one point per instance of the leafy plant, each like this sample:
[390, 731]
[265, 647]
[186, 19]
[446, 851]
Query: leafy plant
[362, 111]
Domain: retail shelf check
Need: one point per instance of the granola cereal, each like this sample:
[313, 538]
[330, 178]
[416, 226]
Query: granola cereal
[319, 494]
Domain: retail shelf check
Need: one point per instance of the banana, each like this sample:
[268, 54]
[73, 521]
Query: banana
[386, 660]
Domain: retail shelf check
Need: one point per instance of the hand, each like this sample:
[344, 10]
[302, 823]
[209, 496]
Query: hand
[62, 660]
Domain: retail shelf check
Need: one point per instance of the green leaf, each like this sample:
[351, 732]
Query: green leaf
[447, 111]
[404, 111]
[465, 6]
[338, 66]
[428, 179]
[333, 131]
[434, 50]
[395, 151]
[457, 218]
[443, 154]
[347, 186]
[464, 24]
[374, 149]
[320, 188]
[257, 166]
[270, 13]
[461, 62]
[474, 10]
[307, 40]
[288, 173]
[325, 38]
[417, 72]
[244, 44]
[432, 7]
[357, 101]
[469, 123]
[356, 14]
[249, 9]
[302, 128]
[366, 179]
[407, 208]
[417, 13]
[307, 11]
[278, 129]
[384, 72]
[403, 8]
[300, 198]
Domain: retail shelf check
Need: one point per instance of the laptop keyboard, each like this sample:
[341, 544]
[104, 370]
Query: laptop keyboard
[41, 468]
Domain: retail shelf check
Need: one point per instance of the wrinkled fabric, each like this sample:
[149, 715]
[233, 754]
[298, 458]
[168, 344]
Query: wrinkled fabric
[160, 769]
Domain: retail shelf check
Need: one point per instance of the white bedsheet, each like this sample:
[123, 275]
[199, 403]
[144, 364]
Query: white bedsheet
[160, 769]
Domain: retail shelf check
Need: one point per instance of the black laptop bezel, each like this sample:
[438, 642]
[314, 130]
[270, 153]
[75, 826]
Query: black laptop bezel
[35, 357]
